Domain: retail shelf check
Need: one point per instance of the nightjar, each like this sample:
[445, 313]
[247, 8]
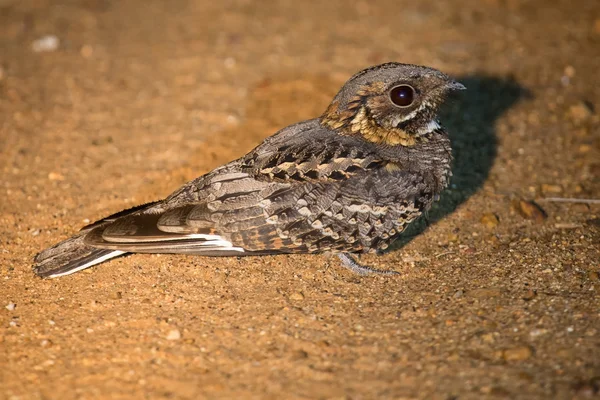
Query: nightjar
[347, 182]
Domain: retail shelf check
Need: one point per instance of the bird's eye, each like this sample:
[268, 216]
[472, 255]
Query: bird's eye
[402, 96]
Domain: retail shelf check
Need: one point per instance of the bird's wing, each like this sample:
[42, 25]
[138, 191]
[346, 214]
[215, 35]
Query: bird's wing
[303, 192]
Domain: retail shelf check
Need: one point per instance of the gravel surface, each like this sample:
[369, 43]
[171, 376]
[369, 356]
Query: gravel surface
[107, 104]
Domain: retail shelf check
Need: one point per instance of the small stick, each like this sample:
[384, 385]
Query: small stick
[444, 254]
[571, 200]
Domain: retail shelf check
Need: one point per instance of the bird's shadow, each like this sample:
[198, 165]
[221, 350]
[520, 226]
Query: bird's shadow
[470, 119]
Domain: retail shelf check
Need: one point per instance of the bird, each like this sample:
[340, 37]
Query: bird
[347, 182]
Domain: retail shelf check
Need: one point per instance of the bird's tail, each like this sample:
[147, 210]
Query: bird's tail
[70, 256]
[73, 254]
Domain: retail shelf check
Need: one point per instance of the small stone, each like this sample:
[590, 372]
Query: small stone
[489, 220]
[46, 343]
[297, 296]
[519, 353]
[116, 295]
[547, 188]
[538, 332]
[581, 111]
[597, 26]
[530, 210]
[229, 62]
[86, 51]
[173, 334]
[299, 355]
[488, 338]
[529, 295]
[452, 237]
[584, 148]
[569, 71]
[458, 294]
[55, 176]
[591, 332]
[46, 43]
[10, 306]
[594, 276]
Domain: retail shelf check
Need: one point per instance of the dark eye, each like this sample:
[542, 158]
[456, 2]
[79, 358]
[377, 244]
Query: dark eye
[402, 96]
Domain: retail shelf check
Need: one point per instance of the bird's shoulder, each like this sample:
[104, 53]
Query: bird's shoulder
[309, 152]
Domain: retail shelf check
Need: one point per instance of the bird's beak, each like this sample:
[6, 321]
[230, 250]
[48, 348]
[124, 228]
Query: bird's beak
[452, 85]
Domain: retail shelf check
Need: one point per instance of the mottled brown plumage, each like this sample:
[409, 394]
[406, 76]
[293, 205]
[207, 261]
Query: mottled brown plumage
[347, 182]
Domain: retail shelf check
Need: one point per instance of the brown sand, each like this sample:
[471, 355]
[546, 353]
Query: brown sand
[141, 96]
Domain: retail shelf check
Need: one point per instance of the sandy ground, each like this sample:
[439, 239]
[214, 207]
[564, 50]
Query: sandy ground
[493, 299]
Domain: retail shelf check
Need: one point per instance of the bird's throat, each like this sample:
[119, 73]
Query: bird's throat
[358, 122]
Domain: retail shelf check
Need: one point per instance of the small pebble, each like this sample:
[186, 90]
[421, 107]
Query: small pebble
[584, 148]
[299, 355]
[547, 188]
[10, 306]
[580, 112]
[530, 210]
[538, 332]
[174, 334]
[86, 51]
[529, 295]
[229, 62]
[116, 295]
[452, 237]
[46, 343]
[55, 176]
[519, 353]
[297, 296]
[46, 43]
[569, 71]
[489, 220]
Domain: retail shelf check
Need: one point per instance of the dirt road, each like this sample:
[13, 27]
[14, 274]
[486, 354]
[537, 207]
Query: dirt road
[107, 104]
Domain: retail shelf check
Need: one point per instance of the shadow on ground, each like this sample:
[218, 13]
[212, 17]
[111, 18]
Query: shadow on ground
[470, 117]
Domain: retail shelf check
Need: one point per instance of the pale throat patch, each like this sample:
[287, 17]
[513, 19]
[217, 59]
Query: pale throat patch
[372, 132]
[430, 127]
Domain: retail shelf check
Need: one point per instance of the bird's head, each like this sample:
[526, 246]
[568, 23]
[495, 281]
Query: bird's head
[390, 104]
